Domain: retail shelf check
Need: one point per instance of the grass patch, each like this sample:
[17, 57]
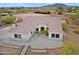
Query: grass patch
[75, 17]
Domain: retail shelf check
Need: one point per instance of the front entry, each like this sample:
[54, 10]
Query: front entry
[42, 28]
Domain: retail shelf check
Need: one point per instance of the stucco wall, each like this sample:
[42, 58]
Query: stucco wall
[24, 36]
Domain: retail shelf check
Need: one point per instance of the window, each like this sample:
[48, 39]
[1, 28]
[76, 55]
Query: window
[37, 29]
[17, 36]
[53, 35]
[47, 28]
[57, 35]
[31, 32]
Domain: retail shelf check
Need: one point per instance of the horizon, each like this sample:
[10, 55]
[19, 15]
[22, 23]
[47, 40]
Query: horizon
[32, 4]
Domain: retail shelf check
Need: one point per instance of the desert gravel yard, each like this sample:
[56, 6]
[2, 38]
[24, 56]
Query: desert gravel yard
[8, 50]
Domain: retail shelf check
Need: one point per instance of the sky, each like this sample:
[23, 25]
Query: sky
[72, 4]
[22, 4]
[31, 4]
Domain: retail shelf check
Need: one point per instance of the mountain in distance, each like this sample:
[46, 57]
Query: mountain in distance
[35, 5]
[55, 5]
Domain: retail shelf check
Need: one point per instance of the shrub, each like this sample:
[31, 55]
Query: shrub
[8, 19]
[65, 26]
[71, 48]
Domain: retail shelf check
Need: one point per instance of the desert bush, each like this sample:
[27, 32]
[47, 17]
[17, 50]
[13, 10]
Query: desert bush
[65, 26]
[8, 19]
[71, 48]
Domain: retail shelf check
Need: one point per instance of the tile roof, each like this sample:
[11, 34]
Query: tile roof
[31, 21]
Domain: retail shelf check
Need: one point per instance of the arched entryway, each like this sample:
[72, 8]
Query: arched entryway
[42, 30]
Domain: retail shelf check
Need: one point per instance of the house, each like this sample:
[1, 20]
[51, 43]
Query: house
[35, 22]
[42, 12]
[4, 14]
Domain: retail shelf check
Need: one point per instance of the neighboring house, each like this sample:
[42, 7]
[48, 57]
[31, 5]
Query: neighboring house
[32, 23]
[4, 14]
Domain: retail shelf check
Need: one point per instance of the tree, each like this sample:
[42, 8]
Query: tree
[8, 19]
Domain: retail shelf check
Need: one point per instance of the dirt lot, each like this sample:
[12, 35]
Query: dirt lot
[8, 50]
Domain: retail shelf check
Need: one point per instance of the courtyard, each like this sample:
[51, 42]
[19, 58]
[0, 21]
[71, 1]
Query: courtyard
[41, 41]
